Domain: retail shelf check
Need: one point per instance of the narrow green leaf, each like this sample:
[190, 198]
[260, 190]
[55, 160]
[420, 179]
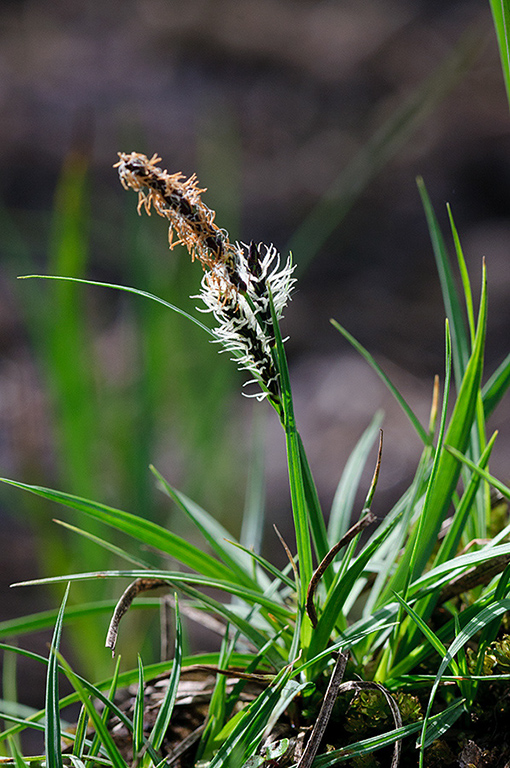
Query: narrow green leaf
[81, 732]
[149, 533]
[473, 627]
[368, 746]
[424, 536]
[343, 501]
[52, 732]
[422, 433]
[501, 17]
[105, 544]
[213, 532]
[315, 514]
[176, 578]
[125, 288]
[138, 714]
[295, 468]
[466, 285]
[496, 387]
[272, 569]
[451, 541]
[96, 719]
[36, 622]
[451, 301]
[457, 435]
[432, 638]
[332, 610]
[166, 709]
[215, 720]
[18, 759]
[252, 723]
[108, 710]
[501, 487]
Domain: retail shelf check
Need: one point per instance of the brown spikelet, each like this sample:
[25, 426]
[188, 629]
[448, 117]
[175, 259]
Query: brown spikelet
[179, 200]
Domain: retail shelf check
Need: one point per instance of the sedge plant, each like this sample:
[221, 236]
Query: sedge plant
[160, 398]
[393, 624]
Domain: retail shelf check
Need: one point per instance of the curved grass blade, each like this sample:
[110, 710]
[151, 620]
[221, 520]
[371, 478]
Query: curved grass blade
[496, 387]
[100, 727]
[105, 544]
[301, 519]
[167, 706]
[125, 678]
[183, 581]
[315, 514]
[473, 627]
[175, 577]
[108, 710]
[451, 541]
[125, 288]
[424, 536]
[251, 726]
[138, 714]
[501, 487]
[422, 433]
[36, 622]
[460, 348]
[18, 759]
[446, 475]
[149, 533]
[343, 501]
[370, 745]
[215, 534]
[52, 731]
[215, 720]
[466, 285]
[331, 614]
[501, 17]
[80, 733]
[272, 569]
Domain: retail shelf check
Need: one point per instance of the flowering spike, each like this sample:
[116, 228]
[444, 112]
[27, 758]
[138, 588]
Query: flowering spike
[240, 281]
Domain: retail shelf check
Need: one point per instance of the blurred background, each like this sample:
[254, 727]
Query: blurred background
[308, 121]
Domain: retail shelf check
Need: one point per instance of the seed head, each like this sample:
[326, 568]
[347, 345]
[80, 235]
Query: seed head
[240, 281]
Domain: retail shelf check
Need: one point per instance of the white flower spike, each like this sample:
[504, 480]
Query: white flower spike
[239, 281]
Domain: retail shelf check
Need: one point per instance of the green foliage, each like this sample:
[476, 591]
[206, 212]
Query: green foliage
[397, 606]
[389, 637]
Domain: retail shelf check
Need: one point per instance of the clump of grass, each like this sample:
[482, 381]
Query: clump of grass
[395, 629]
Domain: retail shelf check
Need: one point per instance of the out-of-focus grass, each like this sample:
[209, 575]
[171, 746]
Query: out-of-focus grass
[120, 380]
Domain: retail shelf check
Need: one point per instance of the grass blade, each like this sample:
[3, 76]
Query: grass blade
[422, 433]
[167, 706]
[138, 714]
[213, 532]
[36, 622]
[501, 17]
[496, 387]
[52, 731]
[501, 487]
[451, 301]
[473, 627]
[126, 289]
[343, 501]
[295, 469]
[149, 533]
[457, 435]
[96, 719]
[174, 577]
